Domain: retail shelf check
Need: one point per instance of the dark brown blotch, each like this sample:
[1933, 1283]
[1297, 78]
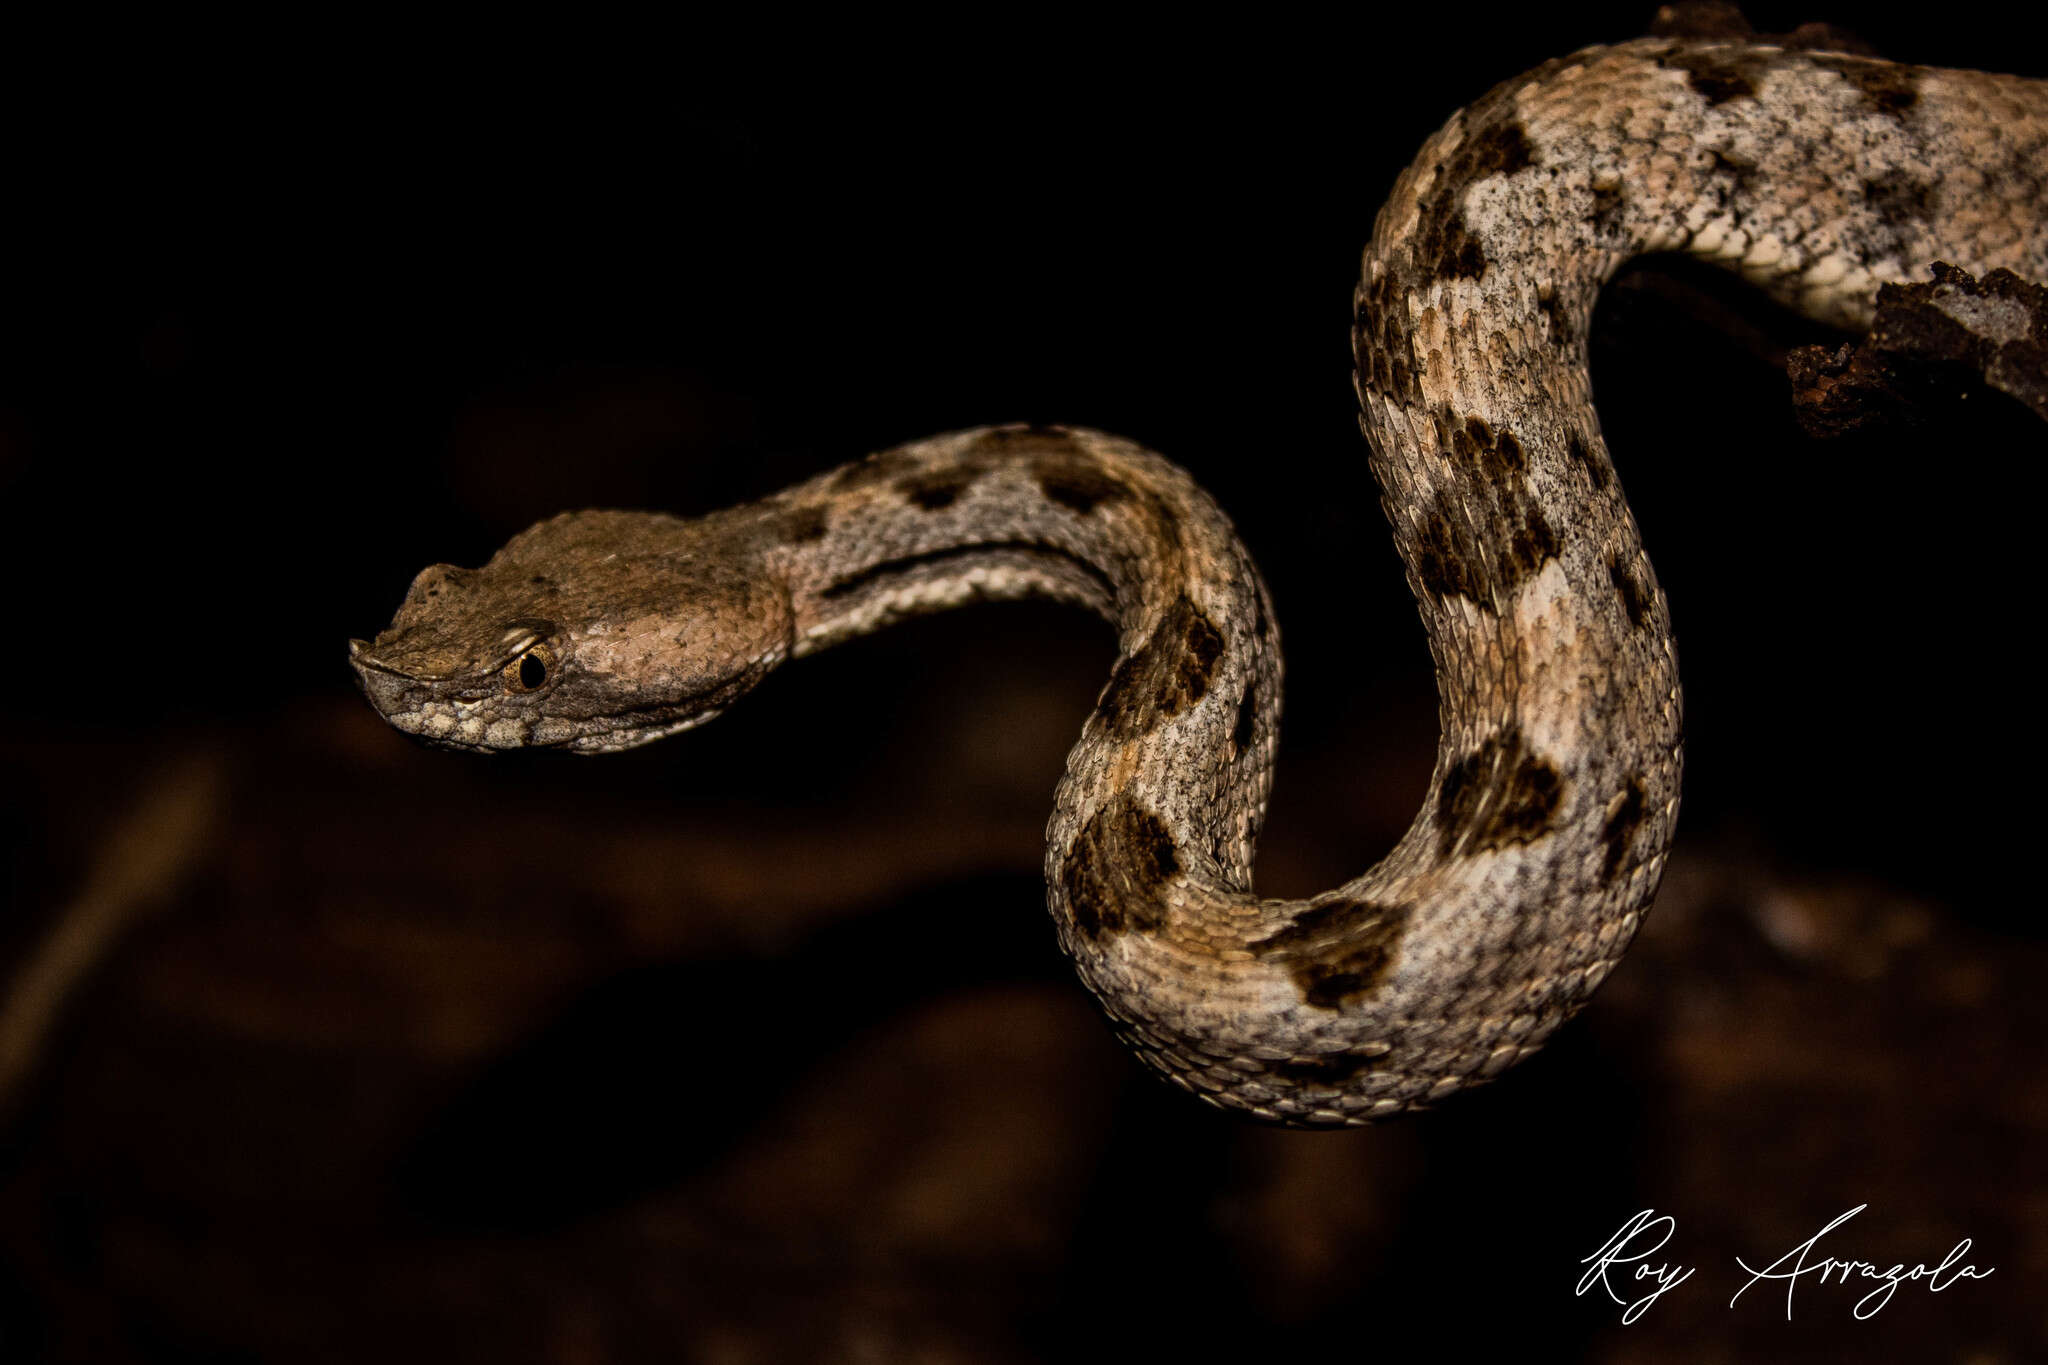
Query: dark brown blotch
[937, 488]
[1892, 89]
[805, 525]
[1205, 647]
[1635, 597]
[1079, 485]
[1720, 84]
[1510, 543]
[1166, 675]
[1499, 149]
[1476, 435]
[1580, 451]
[1619, 833]
[1331, 919]
[1531, 541]
[1247, 720]
[1719, 75]
[1459, 254]
[1497, 454]
[1383, 344]
[1115, 874]
[1338, 949]
[1330, 985]
[1495, 144]
[1447, 563]
[1502, 514]
[1499, 794]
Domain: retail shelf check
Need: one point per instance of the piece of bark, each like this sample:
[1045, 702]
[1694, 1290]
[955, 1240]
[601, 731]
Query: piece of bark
[1930, 344]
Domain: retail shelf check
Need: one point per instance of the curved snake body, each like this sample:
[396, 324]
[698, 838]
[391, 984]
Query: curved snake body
[1819, 176]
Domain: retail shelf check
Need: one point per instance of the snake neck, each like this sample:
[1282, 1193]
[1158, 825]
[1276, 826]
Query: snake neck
[1086, 518]
[998, 513]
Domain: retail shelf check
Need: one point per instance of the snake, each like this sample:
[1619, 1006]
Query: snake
[1819, 176]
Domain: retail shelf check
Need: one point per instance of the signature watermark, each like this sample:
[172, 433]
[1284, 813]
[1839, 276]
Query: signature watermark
[1632, 1269]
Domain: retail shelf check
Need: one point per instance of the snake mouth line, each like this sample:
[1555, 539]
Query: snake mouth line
[359, 655]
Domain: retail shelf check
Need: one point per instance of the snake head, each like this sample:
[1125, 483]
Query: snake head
[592, 631]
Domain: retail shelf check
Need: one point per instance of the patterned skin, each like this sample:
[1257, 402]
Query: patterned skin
[1540, 844]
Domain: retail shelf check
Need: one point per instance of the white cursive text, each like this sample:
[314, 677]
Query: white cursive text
[1826, 1267]
[1632, 1245]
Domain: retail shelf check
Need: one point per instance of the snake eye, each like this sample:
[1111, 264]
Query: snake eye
[529, 672]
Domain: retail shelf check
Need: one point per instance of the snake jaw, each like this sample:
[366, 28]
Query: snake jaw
[431, 709]
[469, 714]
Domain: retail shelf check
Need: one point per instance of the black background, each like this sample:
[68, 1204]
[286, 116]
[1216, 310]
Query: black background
[277, 334]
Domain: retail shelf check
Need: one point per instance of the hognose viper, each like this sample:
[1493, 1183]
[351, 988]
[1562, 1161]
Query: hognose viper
[1817, 175]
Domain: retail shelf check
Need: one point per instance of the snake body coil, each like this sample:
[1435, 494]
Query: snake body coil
[1819, 176]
